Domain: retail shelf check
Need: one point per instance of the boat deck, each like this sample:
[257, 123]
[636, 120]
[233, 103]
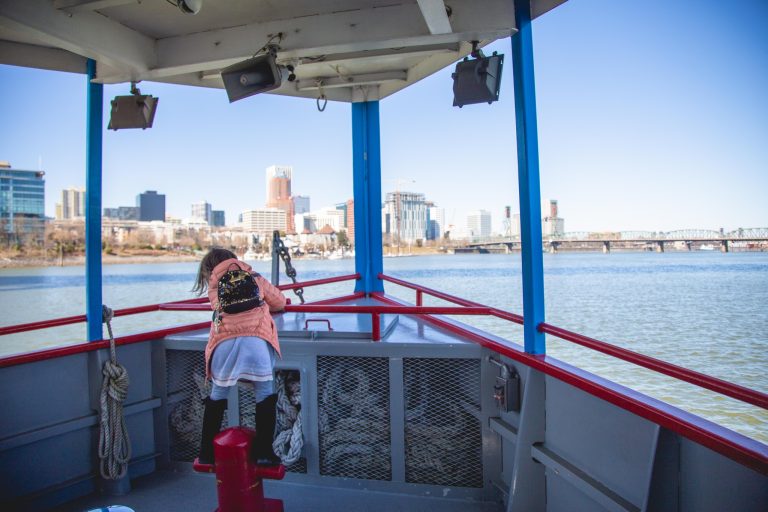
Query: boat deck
[185, 490]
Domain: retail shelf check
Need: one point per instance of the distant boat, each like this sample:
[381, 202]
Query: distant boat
[251, 255]
[706, 247]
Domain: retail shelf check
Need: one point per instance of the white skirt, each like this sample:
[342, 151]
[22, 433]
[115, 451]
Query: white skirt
[243, 358]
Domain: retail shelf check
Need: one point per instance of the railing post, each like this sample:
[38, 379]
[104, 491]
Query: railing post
[419, 297]
[528, 178]
[93, 269]
[366, 163]
[375, 327]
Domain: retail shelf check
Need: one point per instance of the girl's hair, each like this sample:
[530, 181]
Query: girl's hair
[215, 256]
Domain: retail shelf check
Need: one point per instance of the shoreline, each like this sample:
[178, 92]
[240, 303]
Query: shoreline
[140, 259]
[106, 259]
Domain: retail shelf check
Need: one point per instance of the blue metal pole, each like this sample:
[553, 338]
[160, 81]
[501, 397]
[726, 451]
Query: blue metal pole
[366, 164]
[528, 176]
[93, 205]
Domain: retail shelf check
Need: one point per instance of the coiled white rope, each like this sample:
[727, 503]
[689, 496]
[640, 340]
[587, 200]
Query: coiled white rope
[114, 443]
[289, 441]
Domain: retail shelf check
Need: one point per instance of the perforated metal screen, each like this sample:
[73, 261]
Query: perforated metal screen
[186, 388]
[247, 414]
[354, 425]
[443, 438]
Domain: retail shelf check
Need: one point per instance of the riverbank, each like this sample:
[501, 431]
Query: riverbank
[106, 259]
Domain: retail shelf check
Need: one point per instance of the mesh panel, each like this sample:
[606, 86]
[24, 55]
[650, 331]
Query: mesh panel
[443, 440]
[186, 387]
[353, 396]
[248, 419]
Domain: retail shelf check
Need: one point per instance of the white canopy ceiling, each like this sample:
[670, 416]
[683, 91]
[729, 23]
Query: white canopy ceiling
[353, 49]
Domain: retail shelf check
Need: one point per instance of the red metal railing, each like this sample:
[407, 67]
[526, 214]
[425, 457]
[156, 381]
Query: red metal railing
[45, 324]
[749, 453]
[699, 379]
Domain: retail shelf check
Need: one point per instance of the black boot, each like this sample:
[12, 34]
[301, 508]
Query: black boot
[266, 416]
[212, 416]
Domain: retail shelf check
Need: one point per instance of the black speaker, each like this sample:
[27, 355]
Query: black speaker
[477, 80]
[252, 76]
[134, 111]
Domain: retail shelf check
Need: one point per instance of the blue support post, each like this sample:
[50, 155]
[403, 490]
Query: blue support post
[528, 176]
[93, 205]
[366, 163]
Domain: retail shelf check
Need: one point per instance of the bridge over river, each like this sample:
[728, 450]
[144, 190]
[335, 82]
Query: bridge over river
[685, 239]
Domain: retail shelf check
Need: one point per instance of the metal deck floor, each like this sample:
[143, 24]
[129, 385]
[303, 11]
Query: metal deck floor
[169, 490]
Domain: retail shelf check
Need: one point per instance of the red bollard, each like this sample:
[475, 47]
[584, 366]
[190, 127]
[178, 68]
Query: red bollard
[238, 479]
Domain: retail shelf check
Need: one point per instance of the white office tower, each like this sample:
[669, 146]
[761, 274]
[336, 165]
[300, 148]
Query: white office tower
[202, 211]
[72, 204]
[264, 220]
[479, 224]
[404, 217]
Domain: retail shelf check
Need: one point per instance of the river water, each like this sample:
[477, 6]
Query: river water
[706, 311]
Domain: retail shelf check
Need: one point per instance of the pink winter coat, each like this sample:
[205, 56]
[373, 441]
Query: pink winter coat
[254, 322]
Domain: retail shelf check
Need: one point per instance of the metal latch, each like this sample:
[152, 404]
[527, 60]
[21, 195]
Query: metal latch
[506, 390]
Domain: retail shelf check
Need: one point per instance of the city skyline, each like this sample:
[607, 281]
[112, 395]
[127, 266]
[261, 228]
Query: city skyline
[636, 133]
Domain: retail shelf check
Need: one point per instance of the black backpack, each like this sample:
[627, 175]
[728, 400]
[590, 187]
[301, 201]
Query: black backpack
[238, 291]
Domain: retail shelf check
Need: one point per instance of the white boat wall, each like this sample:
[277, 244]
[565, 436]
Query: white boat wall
[402, 406]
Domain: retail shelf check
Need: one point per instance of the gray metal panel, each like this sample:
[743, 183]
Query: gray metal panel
[564, 497]
[712, 482]
[664, 493]
[344, 325]
[528, 485]
[57, 387]
[34, 467]
[560, 469]
[610, 444]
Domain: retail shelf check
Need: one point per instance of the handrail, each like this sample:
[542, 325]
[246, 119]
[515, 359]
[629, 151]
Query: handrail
[723, 387]
[499, 313]
[748, 452]
[57, 322]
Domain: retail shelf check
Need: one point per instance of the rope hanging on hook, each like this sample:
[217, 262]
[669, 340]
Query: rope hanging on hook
[114, 443]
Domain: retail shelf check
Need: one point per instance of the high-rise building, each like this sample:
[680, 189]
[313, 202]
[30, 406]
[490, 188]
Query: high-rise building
[22, 204]
[552, 225]
[218, 218]
[151, 206]
[479, 224]
[203, 211]
[279, 192]
[404, 216]
[72, 204]
[300, 204]
[435, 223]
[264, 220]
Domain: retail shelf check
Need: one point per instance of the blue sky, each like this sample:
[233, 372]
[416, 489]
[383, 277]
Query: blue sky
[653, 115]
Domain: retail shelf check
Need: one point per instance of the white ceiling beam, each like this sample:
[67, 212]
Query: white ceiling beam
[313, 36]
[73, 6]
[87, 34]
[436, 16]
[333, 82]
[41, 57]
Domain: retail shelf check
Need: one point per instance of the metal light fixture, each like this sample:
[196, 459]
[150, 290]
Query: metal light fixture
[133, 111]
[477, 80]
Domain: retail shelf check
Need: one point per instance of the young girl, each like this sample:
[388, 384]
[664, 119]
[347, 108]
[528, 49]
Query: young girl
[241, 346]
